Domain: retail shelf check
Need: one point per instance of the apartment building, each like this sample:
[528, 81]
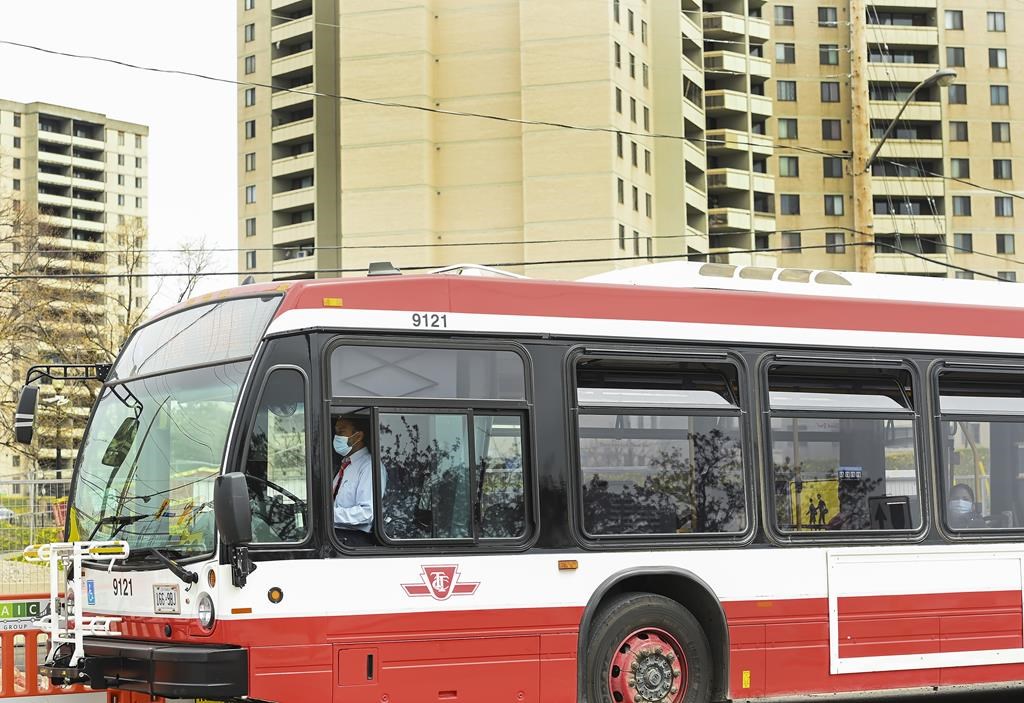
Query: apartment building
[944, 186]
[83, 176]
[330, 185]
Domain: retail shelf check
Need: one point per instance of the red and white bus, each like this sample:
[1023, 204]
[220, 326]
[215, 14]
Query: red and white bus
[681, 482]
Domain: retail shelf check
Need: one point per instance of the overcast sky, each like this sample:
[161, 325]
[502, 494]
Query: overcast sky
[191, 122]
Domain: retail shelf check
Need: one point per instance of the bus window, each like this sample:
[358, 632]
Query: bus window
[982, 438]
[275, 462]
[843, 449]
[660, 448]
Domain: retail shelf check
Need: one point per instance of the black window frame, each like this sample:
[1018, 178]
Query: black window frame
[377, 404]
[311, 526]
[628, 352]
[965, 366]
[765, 449]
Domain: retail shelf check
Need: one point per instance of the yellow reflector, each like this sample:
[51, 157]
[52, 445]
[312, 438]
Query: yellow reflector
[275, 595]
[332, 302]
[241, 611]
[211, 578]
[106, 550]
[568, 565]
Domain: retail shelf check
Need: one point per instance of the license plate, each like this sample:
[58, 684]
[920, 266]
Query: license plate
[165, 599]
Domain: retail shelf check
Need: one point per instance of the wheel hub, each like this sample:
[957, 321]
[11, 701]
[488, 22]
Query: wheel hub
[648, 667]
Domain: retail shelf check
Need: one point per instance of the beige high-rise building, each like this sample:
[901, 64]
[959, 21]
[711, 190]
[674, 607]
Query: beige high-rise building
[83, 177]
[945, 184]
[696, 107]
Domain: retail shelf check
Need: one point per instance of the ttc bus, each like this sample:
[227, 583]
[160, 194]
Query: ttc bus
[679, 483]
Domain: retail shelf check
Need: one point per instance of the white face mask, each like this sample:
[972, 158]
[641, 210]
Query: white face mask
[342, 445]
[960, 506]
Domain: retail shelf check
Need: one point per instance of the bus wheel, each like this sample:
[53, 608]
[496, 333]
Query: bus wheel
[645, 648]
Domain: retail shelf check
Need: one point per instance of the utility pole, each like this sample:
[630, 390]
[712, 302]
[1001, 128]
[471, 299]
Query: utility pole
[860, 128]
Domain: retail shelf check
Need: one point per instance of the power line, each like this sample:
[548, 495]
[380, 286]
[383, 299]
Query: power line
[418, 108]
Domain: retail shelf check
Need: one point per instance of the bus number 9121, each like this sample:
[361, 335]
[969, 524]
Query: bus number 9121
[431, 320]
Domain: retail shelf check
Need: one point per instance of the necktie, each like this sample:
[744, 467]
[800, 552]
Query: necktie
[341, 473]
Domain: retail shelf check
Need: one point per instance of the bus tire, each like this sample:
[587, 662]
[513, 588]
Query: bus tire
[646, 648]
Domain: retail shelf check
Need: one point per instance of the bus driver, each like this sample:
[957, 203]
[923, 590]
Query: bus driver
[352, 487]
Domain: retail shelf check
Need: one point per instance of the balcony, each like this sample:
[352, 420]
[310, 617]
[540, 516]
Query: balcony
[908, 187]
[735, 140]
[54, 179]
[696, 198]
[51, 158]
[912, 73]
[729, 218]
[735, 62]
[289, 234]
[69, 244]
[728, 25]
[289, 30]
[894, 262]
[55, 200]
[692, 153]
[916, 111]
[909, 36]
[92, 181]
[693, 114]
[764, 222]
[738, 179]
[292, 130]
[293, 164]
[87, 162]
[910, 149]
[54, 137]
[73, 265]
[89, 143]
[286, 98]
[295, 62]
[292, 199]
[88, 225]
[90, 205]
[742, 257]
[718, 101]
[909, 225]
[761, 105]
[296, 265]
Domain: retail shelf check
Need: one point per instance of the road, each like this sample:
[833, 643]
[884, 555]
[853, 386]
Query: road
[943, 697]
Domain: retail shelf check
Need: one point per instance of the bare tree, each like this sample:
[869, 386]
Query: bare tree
[194, 259]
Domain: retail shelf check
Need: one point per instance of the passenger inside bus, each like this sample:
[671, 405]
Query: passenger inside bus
[352, 485]
[962, 511]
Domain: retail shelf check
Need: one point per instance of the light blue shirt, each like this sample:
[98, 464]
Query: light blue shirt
[353, 506]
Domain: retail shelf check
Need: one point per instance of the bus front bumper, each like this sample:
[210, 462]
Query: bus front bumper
[171, 670]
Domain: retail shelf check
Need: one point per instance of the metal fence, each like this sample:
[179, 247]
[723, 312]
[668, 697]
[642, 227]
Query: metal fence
[31, 511]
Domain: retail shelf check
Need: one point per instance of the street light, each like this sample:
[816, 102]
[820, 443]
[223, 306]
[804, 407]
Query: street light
[943, 78]
[863, 211]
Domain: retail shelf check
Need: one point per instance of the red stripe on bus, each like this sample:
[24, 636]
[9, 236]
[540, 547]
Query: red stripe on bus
[601, 301]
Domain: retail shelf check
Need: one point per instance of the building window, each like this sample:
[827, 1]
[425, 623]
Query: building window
[250, 227]
[1005, 244]
[643, 32]
[120, 159]
[17, 119]
[834, 205]
[120, 138]
[954, 19]
[648, 204]
[1007, 276]
[828, 54]
[635, 153]
[250, 129]
[120, 179]
[961, 205]
[960, 168]
[954, 56]
[786, 90]
[250, 97]
[957, 94]
[997, 58]
[630, 21]
[17, 142]
[828, 17]
[1000, 131]
[636, 243]
[138, 162]
[138, 203]
[835, 242]
[138, 182]
[789, 204]
[958, 131]
[647, 161]
[615, 10]
[829, 91]
[618, 55]
[996, 21]
[785, 53]
[17, 164]
[647, 119]
[999, 94]
[250, 4]
[632, 109]
[831, 130]
[963, 242]
[791, 240]
[1002, 169]
[832, 167]
[250, 32]
[632, 66]
[250, 64]
[618, 100]
[622, 236]
[622, 191]
[966, 275]
[1004, 206]
[250, 194]
[787, 128]
[250, 259]
[784, 15]
[789, 166]
[646, 77]
[120, 199]
[618, 144]
[636, 199]
[250, 161]
[17, 185]
[138, 141]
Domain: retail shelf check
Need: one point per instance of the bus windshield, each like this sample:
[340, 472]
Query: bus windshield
[156, 440]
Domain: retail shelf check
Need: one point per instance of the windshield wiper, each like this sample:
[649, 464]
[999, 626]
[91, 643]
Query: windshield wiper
[188, 577]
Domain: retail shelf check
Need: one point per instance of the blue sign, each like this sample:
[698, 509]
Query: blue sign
[848, 473]
[90, 592]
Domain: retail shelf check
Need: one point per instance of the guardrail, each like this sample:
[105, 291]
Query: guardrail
[22, 647]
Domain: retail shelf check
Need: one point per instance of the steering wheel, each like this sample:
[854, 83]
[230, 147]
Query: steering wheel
[265, 508]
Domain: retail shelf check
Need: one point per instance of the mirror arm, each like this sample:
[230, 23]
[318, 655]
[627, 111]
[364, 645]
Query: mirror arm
[241, 566]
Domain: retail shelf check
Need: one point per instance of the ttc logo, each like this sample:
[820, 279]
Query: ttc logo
[440, 583]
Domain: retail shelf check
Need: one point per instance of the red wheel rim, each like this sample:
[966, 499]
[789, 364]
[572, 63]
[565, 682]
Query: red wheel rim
[648, 666]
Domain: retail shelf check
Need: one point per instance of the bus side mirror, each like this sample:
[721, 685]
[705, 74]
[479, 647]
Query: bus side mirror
[25, 415]
[232, 510]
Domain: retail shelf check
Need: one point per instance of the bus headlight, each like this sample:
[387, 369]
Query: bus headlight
[205, 610]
